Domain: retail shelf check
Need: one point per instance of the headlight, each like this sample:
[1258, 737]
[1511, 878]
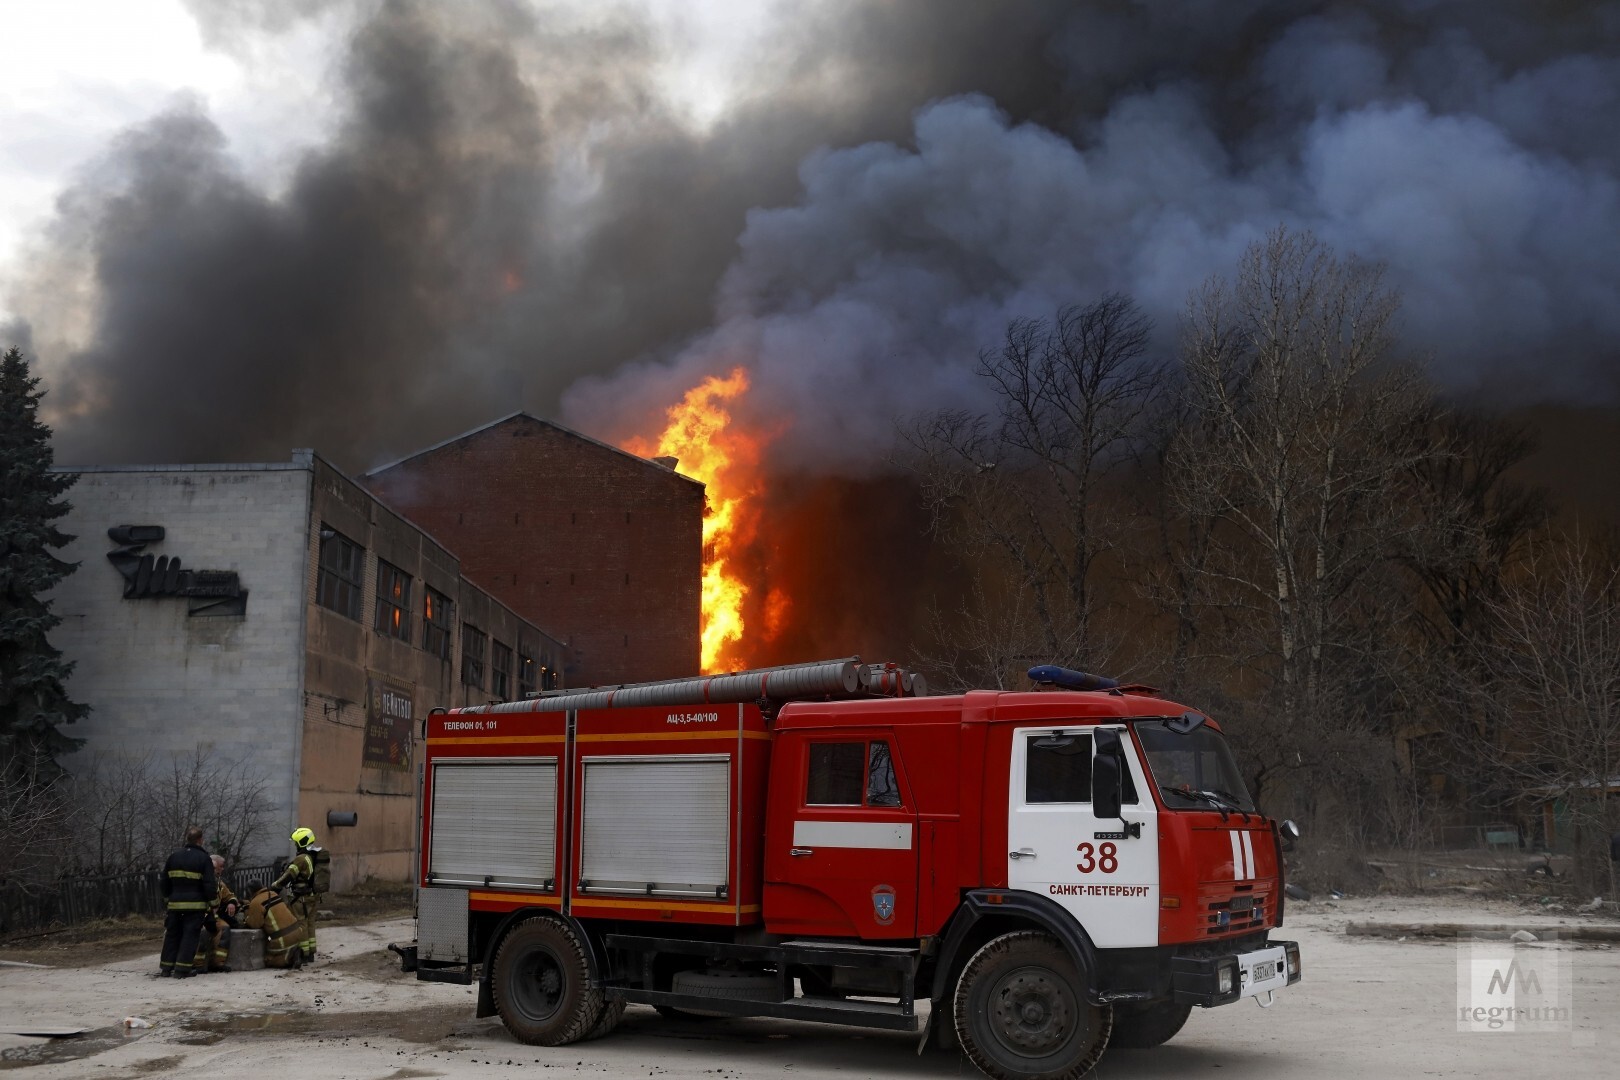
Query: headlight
[1293, 962]
[1225, 977]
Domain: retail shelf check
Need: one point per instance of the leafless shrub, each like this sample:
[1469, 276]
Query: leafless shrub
[130, 811]
[1549, 675]
[33, 824]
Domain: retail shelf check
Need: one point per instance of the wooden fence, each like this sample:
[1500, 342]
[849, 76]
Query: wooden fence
[73, 900]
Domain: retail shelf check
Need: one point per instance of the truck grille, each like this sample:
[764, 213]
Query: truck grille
[1239, 913]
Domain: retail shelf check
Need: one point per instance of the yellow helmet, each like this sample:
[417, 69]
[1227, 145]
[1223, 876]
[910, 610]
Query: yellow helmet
[303, 837]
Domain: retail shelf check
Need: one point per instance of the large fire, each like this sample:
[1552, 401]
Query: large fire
[726, 458]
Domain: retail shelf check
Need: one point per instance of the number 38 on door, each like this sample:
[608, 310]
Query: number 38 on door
[1104, 858]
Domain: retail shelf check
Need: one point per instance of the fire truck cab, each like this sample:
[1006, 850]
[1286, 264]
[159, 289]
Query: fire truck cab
[1053, 871]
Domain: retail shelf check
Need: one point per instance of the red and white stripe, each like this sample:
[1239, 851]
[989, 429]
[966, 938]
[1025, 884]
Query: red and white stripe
[1242, 855]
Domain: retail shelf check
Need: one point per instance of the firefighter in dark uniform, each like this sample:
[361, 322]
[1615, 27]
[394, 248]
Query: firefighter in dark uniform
[301, 876]
[188, 888]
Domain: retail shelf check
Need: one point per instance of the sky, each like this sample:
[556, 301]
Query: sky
[66, 94]
[230, 227]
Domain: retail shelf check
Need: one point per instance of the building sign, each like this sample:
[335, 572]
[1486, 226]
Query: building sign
[147, 576]
[388, 726]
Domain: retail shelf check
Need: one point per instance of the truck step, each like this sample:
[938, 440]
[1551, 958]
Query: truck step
[884, 1015]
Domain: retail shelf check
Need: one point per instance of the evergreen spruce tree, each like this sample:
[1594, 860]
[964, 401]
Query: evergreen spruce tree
[33, 702]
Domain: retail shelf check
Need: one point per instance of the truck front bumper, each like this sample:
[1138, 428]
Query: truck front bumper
[1221, 980]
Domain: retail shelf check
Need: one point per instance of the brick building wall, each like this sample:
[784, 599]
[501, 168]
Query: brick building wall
[349, 760]
[598, 547]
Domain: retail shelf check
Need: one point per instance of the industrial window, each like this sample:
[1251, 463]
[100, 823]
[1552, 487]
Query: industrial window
[500, 671]
[1057, 769]
[528, 672]
[438, 616]
[474, 643]
[393, 601]
[841, 772]
[340, 582]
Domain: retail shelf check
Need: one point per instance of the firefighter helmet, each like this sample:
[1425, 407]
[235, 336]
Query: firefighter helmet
[302, 837]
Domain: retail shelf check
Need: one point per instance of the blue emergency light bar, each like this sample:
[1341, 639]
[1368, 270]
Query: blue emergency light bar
[1069, 679]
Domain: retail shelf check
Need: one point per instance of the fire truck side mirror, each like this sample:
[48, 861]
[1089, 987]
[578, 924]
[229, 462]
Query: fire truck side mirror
[1289, 832]
[1105, 785]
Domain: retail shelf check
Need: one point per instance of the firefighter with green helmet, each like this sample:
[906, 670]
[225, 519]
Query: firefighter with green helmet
[308, 875]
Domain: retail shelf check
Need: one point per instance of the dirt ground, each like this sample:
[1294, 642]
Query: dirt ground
[105, 940]
[1371, 1007]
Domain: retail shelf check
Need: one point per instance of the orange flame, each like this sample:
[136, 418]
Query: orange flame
[710, 448]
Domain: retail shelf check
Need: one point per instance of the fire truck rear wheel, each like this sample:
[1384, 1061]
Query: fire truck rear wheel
[612, 1013]
[542, 985]
[1142, 1027]
[1022, 1014]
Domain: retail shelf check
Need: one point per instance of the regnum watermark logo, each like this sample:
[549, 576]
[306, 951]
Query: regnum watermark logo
[1513, 986]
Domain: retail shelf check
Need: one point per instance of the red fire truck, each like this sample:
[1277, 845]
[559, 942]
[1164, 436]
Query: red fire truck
[1053, 871]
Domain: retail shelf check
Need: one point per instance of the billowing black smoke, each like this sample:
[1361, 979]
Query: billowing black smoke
[1466, 149]
[508, 206]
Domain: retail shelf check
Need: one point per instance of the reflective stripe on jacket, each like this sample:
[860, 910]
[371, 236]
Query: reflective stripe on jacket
[300, 874]
[188, 882]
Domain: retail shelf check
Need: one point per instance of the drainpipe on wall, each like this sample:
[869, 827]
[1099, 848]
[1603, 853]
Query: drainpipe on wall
[305, 458]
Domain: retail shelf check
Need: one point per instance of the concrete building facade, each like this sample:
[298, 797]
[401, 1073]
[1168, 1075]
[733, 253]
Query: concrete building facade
[601, 547]
[280, 617]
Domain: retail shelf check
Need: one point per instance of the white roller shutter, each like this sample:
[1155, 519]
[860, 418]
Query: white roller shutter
[658, 824]
[494, 823]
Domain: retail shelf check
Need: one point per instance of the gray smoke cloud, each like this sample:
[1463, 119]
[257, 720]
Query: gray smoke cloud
[507, 204]
[1471, 156]
[509, 215]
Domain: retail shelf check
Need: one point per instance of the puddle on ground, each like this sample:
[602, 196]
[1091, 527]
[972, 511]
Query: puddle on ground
[67, 1048]
[428, 1025]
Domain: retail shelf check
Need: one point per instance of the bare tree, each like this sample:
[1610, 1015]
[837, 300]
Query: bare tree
[131, 810]
[1550, 673]
[1281, 522]
[1475, 520]
[111, 826]
[1024, 485]
[33, 824]
[1302, 431]
[988, 640]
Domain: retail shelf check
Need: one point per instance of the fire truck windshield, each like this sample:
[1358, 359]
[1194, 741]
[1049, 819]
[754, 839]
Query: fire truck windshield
[1195, 770]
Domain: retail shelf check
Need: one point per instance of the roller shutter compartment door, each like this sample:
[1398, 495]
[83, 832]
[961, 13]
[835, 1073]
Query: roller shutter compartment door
[658, 824]
[495, 823]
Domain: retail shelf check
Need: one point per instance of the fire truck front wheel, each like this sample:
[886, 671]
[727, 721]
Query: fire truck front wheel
[542, 985]
[1021, 1011]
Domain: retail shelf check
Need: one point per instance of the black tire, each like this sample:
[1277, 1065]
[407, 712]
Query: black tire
[612, 1013]
[728, 985]
[1142, 1027]
[1022, 1014]
[542, 985]
[670, 1012]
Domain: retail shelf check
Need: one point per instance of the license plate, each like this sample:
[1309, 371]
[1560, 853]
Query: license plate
[1266, 969]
